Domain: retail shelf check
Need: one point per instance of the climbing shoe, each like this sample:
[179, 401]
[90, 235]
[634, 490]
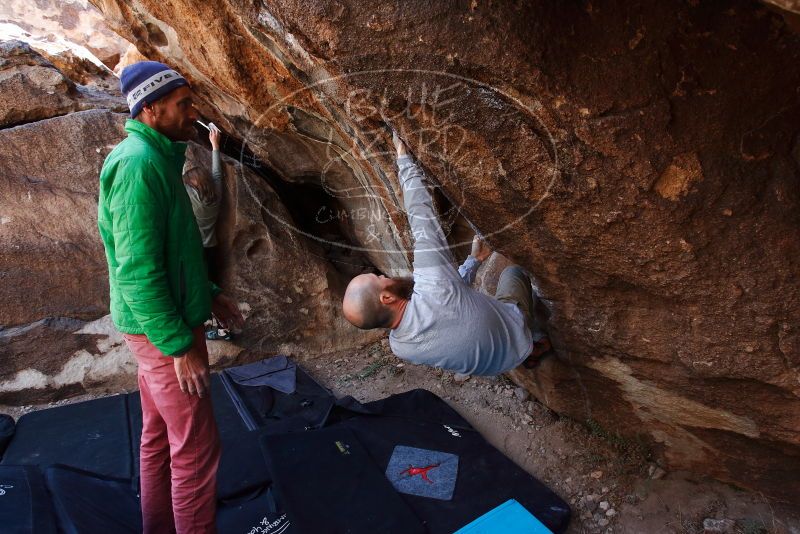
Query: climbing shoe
[218, 334]
[541, 349]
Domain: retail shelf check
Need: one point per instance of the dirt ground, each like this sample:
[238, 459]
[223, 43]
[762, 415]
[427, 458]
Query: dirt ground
[611, 483]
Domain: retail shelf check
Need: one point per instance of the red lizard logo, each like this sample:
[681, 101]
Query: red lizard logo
[422, 471]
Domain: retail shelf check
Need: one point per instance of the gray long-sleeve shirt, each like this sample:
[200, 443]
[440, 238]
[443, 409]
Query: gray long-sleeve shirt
[446, 323]
[206, 212]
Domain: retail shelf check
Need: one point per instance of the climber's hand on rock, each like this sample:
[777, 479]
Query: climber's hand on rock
[227, 312]
[480, 249]
[192, 372]
[214, 136]
[399, 145]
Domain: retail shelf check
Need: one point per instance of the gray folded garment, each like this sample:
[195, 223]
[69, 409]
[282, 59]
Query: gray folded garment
[277, 372]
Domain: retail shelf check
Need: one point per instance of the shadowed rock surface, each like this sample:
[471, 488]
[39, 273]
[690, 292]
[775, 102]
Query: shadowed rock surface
[289, 290]
[640, 160]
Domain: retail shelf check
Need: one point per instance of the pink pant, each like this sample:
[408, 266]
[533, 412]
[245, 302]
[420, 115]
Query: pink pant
[179, 438]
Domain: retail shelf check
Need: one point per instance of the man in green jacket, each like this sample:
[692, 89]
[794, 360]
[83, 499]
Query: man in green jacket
[161, 296]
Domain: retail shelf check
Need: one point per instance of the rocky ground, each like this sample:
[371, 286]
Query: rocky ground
[611, 483]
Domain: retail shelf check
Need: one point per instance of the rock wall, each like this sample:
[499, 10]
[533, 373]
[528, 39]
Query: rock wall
[32, 88]
[54, 26]
[640, 159]
[51, 157]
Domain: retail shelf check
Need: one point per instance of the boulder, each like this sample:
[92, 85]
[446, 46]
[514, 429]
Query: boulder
[51, 255]
[56, 339]
[58, 357]
[641, 163]
[32, 88]
[84, 72]
[54, 26]
[52, 265]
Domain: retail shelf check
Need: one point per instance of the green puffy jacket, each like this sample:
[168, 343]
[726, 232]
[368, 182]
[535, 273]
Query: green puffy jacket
[156, 265]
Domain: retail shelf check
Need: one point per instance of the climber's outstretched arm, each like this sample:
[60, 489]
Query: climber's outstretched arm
[432, 258]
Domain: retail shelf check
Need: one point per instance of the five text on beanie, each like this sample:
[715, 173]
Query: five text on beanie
[147, 81]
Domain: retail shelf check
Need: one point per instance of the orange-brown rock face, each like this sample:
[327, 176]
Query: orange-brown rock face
[640, 159]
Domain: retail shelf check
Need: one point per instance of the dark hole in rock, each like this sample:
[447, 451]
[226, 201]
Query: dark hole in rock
[323, 218]
[328, 223]
[156, 35]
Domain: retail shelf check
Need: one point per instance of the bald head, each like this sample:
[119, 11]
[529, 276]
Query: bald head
[362, 304]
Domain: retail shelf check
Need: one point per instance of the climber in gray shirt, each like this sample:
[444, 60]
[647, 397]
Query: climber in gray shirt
[436, 318]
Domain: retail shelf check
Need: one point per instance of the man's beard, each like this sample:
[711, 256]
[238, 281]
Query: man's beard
[401, 288]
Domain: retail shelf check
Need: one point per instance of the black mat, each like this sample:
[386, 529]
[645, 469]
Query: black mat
[7, 428]
[91, 435]
[242, 412]
[24, 503]
[276, 412]
[241, 467]
[258, 515]
[96, 442]
[486, 478]
[85, 503]
[327, 483]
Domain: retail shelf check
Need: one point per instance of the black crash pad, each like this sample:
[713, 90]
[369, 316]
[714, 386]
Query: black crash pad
[96, 442]
[486, 477]
[24, 504]
[327, 482]
[91, 435]
[84, 502]
[277, 413]
[87, 504]
[7, 428]
[257, 514]
[242, 414]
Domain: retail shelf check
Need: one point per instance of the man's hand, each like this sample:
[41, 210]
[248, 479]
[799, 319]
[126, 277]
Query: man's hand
[480, 250]
[399, 145]
[192, 372]
[227, 312]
